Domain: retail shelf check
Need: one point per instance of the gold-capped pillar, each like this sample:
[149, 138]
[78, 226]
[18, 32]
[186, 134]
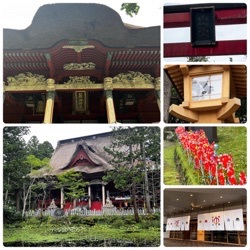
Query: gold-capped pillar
[50, 99]
[158, 91]
[108, 87]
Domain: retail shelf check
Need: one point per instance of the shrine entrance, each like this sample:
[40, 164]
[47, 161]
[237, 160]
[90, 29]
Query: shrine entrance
[92, 74]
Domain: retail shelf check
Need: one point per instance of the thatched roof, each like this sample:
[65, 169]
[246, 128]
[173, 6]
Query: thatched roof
[56, 22]
[96, 159]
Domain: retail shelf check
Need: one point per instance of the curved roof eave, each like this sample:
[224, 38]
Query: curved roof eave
[55, 22]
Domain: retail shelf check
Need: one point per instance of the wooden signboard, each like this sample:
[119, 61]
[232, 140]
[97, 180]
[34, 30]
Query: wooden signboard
[202, 26]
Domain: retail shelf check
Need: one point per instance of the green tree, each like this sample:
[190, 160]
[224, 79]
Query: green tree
[72, 184]
[40, 150]
[130, 8]
[130, 149]
[39, 179]
[14, 168]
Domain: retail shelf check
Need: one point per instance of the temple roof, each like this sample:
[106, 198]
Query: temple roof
[56, 22]
[92, 147]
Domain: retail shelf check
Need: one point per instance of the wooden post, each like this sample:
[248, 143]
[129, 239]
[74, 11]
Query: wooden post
[48, 116]
[158, 92]
[103, 194]
[89, 194]
[108, 87]
[62, 198]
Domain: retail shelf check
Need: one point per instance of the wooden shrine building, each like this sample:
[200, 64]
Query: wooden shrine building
[79, 63]
[87, 156]
[209, 93]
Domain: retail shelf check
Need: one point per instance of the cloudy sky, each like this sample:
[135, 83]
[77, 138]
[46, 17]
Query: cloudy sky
[56, 132]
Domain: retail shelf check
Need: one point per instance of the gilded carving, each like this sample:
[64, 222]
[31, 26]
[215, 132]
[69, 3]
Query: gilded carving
[133, 77]
[108, 83]
[78, 48]
[79, 66]
[50, 85]
[26, 79]
[158, 84]
[79, 80]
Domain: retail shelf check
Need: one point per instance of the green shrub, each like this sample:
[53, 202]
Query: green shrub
[118, 222]
[32, 221]
[11, 216]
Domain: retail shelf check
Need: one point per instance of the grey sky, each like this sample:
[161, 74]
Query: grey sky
[55, 132]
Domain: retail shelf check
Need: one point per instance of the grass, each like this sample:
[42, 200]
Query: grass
[233, 140]
[52, 230]
[171, 175]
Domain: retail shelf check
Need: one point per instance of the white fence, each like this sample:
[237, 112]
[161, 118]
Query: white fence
[84, 212]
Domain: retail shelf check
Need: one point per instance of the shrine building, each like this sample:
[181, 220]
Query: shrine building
[79, 63]
[87, 156]
[210, 217]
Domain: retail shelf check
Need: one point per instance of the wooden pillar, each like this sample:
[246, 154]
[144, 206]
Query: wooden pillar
[48, 116]
[62, 198]
[108, 87]
[89, 194]
[103, 194]
[158, 92]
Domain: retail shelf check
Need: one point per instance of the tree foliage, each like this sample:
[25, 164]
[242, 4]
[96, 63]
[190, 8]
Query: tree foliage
[72, 183]
[130, 8]
[24, 164]
[14, 155]
[126, 154]
[130, 148]
[40, 150]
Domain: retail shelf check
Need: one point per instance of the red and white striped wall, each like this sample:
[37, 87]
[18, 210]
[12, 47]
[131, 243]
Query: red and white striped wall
[230, 31]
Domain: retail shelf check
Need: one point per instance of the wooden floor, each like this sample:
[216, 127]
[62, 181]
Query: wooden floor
[193, 243]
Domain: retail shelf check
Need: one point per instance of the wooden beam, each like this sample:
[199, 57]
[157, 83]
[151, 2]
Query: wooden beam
[76, 87]
[223, 17]
[227, 110]
[232, 119]
[184, 70]
[184, 114]
[235, 47]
